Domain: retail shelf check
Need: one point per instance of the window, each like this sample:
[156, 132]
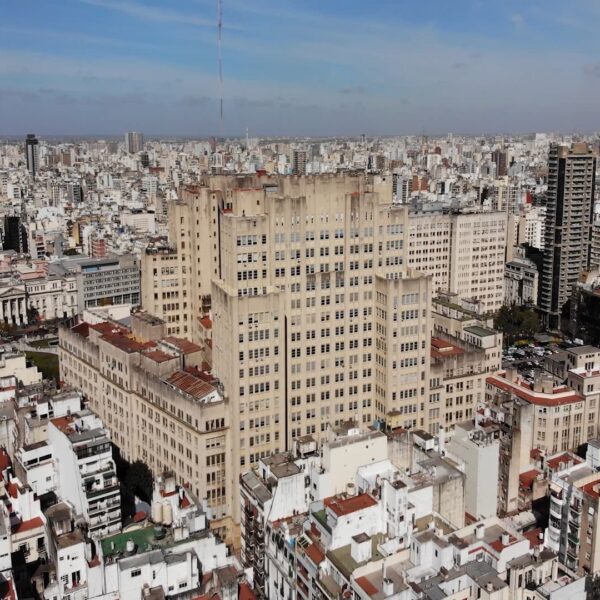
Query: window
[136, 572]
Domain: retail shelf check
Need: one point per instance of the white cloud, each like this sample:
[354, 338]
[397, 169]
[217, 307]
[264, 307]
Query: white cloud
[517, 20]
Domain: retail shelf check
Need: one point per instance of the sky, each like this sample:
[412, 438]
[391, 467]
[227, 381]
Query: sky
[299, 67]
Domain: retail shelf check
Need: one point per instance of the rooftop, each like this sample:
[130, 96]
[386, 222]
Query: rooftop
[442, 349]
[345, 506]
[480, 331]
[182, 344]
[145, 539]
[342, 559]
[190, 384]
[559, 396]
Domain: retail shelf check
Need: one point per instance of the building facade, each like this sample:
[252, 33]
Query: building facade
[569, 215]
[158, 405]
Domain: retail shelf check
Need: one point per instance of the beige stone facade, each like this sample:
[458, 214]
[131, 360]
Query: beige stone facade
[157, 403]
[463, 251]
[162, 290]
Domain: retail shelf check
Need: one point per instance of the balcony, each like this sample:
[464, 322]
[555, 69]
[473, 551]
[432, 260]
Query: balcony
[95, 492]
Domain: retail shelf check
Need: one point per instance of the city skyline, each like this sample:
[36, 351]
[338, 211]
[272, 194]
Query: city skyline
[87, 66]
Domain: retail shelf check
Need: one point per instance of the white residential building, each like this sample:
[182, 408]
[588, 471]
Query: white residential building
[86, 470]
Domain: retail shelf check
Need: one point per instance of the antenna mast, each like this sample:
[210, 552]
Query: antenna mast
[220, 58]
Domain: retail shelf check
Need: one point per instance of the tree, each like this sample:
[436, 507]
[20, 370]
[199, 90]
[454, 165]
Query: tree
[592, 587]
[516, 321]
[33, 315]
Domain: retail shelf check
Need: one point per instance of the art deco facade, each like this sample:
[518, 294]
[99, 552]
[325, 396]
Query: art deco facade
[462, 251]
[156, 402]
[316, 316]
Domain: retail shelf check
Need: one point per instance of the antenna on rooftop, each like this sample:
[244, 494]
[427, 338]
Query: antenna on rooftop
[220, 58]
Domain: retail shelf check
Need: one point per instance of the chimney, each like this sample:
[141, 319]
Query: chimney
[505, 539]
[479, 531]
[388, 587]
[511, 374]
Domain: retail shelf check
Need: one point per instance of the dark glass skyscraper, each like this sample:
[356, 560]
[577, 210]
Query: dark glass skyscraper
[569, 214]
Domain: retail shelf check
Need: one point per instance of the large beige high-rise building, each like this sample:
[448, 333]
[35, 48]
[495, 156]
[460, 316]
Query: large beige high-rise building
[317, 316]
[162, 290]
[463, 251]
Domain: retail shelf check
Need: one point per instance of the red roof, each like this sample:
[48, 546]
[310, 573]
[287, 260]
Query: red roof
[158, 356]
[498, 546]
[190, 384]
[366, 585]
[591, 488]
[139, 516]
[95, 562]
[105, 327]
[246, 592]
[127, 344]
[315, 554]
[526, 479]
[206, 322]
[562, 460]
[341, 506]
[27, 525]
[182, 344]
[82, 329]
[62, 423]
[442, 349]
[13, 490]
[558, 397]
[534, 537]
[536, 453]
[4, 461]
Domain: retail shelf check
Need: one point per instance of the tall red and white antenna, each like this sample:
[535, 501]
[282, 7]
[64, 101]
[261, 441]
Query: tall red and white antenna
[220, 56]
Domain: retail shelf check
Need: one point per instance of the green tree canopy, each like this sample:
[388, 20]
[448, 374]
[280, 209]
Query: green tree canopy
[516, 322]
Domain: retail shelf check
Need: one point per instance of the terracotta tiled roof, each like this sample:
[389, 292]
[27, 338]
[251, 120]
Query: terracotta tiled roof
[28, 525]
[562, 460]
[82, 329]
[246, 592]
[347, 506]
[526, 479]
[190, 384]
[441, 348]
[366, 585]
[206, 322]
[183, 345]
[158, 356]
[315, 554]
